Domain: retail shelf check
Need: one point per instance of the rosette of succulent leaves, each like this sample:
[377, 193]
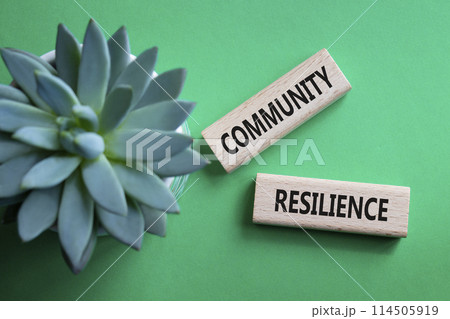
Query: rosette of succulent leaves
[64, 128]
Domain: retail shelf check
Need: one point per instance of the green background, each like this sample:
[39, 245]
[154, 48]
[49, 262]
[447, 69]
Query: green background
[391, 128]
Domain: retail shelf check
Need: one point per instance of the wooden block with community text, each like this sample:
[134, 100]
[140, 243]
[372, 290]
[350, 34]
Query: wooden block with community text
[331, 205]
[276, 110]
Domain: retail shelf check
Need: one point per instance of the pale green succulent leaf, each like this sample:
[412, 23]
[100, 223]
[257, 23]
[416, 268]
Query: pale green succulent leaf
[67, 56]
[14, 115]
[10, 148]
[75, 218]
[119, 51]
[22, 68]
[103, 185]
[116, 108]
[51, 171]
[66, 140]
[39, 60]
[94, 68]
[89, 145]
[79, 265]
[146, 188]
[166, 86]
[41, 137]
[13, 171]
[185, 162]
[138, 73]
[56, 93]
[86, 117]
[166, 115]
[66, 123]
[145, 145]
[127, 229]
[8, 92]
[38, 212]
[155, 220]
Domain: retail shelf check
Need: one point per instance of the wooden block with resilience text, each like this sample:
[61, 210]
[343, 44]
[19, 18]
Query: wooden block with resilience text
[331, 205]
[276, 110]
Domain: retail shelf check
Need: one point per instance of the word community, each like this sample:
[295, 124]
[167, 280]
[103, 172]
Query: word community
[276, 110]
[313, 203]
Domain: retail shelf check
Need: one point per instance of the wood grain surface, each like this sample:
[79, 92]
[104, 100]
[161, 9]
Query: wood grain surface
[363, 208]
[276, 110]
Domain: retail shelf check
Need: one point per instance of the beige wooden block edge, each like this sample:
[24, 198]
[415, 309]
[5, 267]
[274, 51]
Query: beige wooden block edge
[396, 214]
[261, 100]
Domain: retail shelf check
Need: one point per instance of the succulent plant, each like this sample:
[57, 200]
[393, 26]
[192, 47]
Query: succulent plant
[63, 133]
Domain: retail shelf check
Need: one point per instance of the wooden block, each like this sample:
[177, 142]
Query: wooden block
[331, 205]
[276, 110]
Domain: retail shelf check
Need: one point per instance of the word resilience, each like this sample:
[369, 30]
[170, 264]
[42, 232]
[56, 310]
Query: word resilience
[337, 205]
[331, 205]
